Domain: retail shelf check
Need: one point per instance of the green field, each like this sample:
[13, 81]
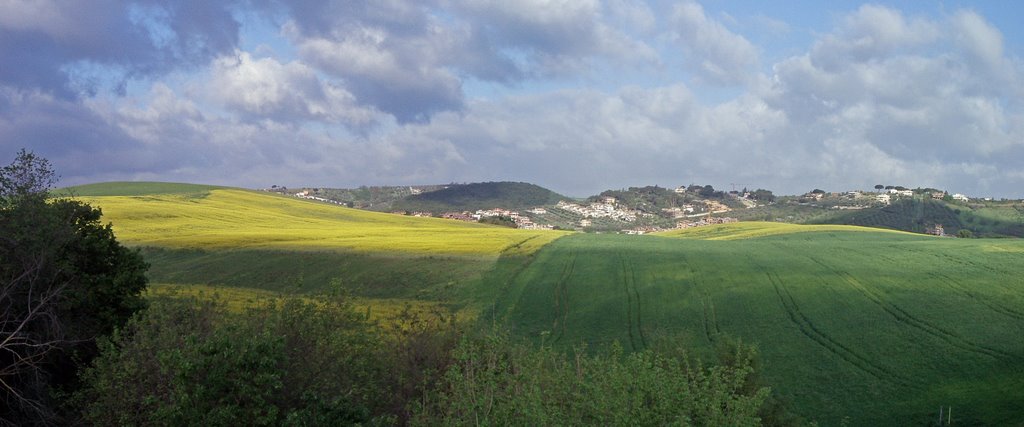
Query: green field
[881, 327]
[193, 234]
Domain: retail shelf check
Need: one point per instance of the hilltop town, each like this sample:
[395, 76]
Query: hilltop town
[641, 210]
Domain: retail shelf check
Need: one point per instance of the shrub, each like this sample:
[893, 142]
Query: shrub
[495, 381]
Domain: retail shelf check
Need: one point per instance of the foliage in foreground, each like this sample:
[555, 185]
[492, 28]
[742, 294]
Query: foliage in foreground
[495, 381]
[303, 362]
[289, 362]
[64, 280]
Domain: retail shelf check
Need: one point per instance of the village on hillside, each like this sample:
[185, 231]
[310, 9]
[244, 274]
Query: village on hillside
[600, 213]
[642, 210]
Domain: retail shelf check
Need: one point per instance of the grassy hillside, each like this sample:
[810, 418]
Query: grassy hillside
[876, 325]
[747, 230]
[485, 195]
[991, 219]
[136, 189]
[240, 219]
[229, 237]
[880, 327]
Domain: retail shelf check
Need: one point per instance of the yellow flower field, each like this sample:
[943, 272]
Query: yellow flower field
[748, 230]
[242, 219]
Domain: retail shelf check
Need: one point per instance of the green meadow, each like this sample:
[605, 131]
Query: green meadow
[871, 326]
[880, 327]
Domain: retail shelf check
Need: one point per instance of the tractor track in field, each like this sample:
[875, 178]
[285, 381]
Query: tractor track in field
[711, 329]
[969, 264]
[987, 302]
[959, 287]
[837, 348]
[709, 319]
[517, 245]
[561, 297]
[629, 282]
[904, 317]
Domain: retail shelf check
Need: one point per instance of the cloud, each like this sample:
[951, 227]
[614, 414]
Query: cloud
[388, 74]
[72, 136]
[393, 56]
[411, 59]
[584, 141]
[556, 37]
[54, 45]
[574, 95]
[717, 54]
[871, 32]
[266, 88]
[916, 99]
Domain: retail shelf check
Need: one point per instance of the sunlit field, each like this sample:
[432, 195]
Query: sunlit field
[878, 326]
[746, 230]
[216, 218]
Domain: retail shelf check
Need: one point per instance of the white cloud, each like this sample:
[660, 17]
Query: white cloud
[265, 87]
[912, 99]
[373, 94]
[560, 37]
[719, 55]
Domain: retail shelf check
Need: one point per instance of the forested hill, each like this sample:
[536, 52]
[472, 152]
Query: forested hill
[919, 214]
[484, 195]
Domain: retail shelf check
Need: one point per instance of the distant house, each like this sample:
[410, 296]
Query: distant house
[460, 216]
[680, 190]
[961, 197]
[586, 222]
[883, 198]
[609, 200]
[905, 193]
[938, 194]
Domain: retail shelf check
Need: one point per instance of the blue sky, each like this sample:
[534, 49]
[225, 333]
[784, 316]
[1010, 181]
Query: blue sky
[578, 96]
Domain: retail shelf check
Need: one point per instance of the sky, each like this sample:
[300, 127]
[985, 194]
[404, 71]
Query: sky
[578, 96]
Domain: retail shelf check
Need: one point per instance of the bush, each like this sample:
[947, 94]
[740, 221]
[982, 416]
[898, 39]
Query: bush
[494, 381]
[316, 361]
[191, 362]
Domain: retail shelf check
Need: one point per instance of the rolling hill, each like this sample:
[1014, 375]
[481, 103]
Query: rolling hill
[222, 236]
[879, 327]
[485, 195]
[917, 214]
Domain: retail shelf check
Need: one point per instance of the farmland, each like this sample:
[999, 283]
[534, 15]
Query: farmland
[874, 326]
[877, 326]
[230, 237]
[239, 219]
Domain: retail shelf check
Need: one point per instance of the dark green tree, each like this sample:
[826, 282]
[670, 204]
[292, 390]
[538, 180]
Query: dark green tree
[763, 195]
[64, 281]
